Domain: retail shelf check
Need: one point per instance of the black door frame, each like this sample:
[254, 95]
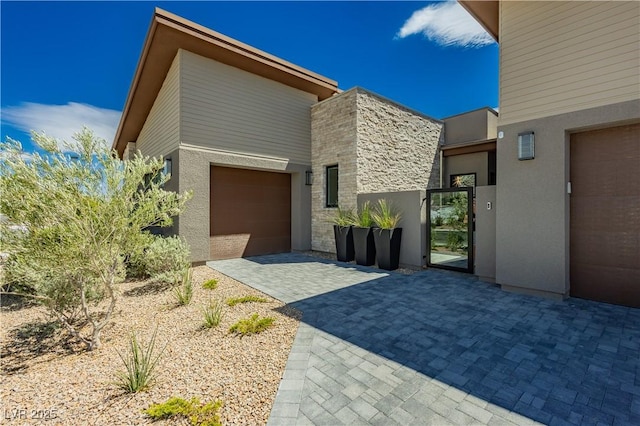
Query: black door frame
[470, 224]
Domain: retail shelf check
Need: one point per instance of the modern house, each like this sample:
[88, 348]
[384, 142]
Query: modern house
[567, 216]
[270, 149]
[249, 132]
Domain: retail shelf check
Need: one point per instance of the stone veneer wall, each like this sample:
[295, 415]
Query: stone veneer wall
[333, 141]
[379, 146]
[397, 148]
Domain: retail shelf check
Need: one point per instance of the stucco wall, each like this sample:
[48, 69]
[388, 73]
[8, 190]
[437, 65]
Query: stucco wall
[485, 234]
[413, 246]
[532, 221]
[477, 162]
[379, 146]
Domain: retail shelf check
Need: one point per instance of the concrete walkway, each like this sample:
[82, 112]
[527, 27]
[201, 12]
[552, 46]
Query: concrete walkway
[443, 348]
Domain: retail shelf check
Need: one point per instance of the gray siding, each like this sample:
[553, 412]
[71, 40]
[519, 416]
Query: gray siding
[227, 109]
[160, 134]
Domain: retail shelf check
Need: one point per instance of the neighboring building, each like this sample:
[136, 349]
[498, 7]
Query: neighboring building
[235, 123]
[375, 146]
[568, 220]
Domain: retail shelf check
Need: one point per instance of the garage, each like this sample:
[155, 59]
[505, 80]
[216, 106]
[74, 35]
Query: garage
[605, 215]
[250, 213]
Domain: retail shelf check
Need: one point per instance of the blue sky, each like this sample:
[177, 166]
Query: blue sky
[68, 64]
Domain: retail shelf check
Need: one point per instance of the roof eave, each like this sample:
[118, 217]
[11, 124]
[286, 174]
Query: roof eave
[487, 14]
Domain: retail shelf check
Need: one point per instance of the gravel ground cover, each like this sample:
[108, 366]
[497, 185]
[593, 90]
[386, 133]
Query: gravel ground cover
[45, 376]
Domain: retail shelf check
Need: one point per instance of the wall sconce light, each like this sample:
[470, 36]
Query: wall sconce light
[526, 146]
[308, 177]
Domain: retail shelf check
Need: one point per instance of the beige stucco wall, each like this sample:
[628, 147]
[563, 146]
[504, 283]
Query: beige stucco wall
[232, 110]
[485, 234]
[379, 146]
[161, 131]
[532, 218]
[557, 57]
[413, 245]
[477, 162]
[472, 126]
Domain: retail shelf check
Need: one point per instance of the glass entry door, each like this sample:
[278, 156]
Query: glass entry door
[450, 228]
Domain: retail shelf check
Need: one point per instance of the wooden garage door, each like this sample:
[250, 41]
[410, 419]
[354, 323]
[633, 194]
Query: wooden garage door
[250, 213]
[605, 215]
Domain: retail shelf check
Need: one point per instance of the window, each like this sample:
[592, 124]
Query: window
[462, 180]
[332, 186]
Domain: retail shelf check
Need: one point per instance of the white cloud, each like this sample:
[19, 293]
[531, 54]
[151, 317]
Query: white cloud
[447, 24]
[62, 121]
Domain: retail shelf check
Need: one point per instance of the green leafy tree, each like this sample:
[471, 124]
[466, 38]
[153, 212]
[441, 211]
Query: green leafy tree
[80, 215]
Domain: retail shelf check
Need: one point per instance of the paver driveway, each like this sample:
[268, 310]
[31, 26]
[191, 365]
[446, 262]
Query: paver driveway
[437, 347]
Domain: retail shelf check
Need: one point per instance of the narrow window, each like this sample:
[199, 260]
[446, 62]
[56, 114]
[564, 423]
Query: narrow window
[332, 186]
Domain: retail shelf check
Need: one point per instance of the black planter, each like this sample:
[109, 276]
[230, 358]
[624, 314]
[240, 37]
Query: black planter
[388, 247]
[344, 243]
[365, 247]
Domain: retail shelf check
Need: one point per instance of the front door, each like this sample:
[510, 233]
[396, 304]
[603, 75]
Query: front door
[450, 228]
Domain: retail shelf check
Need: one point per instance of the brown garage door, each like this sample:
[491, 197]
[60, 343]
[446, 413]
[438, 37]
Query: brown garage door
[250, 213]
[605, 215]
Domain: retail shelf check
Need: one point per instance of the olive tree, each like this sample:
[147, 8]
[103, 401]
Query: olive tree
[80, 212]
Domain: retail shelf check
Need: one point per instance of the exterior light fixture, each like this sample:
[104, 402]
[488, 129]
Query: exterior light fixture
[526, 146]
[308, 177]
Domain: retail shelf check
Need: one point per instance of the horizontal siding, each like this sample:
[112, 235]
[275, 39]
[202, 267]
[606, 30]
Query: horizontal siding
[160, 134]
[558, 57]
[233, 110]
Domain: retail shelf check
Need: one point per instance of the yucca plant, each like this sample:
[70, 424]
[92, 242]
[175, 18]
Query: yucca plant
[212, 314]
[140, 364]
[385, 216]
[184, 292]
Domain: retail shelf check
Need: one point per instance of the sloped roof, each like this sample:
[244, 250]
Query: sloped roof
[167, 34]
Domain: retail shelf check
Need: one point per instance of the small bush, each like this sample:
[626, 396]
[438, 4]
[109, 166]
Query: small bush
[251, 325]
[233, 301]
[193, 410]
[211, 284]
[184, 292]
[212, 314]
[163, 260]
[140, 364]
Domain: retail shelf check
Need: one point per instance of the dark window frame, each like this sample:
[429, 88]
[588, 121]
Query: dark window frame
[328, 169]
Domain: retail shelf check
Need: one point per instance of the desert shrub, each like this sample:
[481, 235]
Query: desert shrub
[233, 301]
[165, 259]
[212, 314]
[251, 325]
[211, 284]
[82, 216]
[140, 363]
[183, 293]
[197, 413]
[344, 217]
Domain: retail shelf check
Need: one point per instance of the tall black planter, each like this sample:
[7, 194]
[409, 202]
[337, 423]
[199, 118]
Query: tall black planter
[388, 247]
[344, 243]
[365, 247]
